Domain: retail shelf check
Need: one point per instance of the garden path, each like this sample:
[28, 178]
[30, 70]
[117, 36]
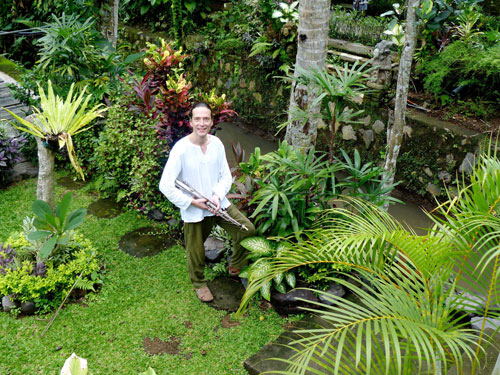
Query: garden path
[9, 102]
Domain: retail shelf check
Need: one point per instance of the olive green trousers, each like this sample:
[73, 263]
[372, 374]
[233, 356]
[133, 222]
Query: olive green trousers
[195, 235]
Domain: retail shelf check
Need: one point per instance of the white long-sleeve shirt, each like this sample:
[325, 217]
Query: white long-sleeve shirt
[206, 172]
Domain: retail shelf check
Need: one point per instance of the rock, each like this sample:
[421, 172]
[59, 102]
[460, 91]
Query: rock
[433, 189]
[227, 67]
[444, 176]
[368, 137]
[173, 222]
[467, 165]
[258, 97]
[28, 308]
[378, 127]
[366, 120]
[333, 289]
[348, 133]
[9, 303]
[428, 172]
[251, 85]
[490, 323]
[289, 303]
[156, 214]
[227, 293]
[243, 84]
[408, 131]
[214, 250]
[22, 171]
[228, 84]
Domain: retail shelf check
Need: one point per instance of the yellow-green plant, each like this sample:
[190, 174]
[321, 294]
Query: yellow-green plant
[59, 119]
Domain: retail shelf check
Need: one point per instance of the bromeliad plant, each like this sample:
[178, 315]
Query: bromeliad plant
[54, 125]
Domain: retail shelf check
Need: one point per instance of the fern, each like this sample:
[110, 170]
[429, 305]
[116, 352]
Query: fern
[85, 284]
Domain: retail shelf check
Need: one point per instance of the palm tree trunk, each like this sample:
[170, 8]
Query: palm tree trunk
[395, 133]
[46, 174]
[109, 20]
[314, 18]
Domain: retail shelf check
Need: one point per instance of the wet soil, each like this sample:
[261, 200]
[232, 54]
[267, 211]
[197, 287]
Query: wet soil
[70, 183]
[156, 346]
[146, 242]
[106, 208]
[227, 322]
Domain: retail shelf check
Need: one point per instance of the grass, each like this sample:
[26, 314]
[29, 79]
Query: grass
[147, 297]
[10, 68]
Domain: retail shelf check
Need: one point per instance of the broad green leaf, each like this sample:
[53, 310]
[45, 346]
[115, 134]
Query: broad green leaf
[63, 207]
[278, 278]
[38, 235]
[42, 224]
[51, 219]
[63, 240]
[258, 246]
[280, 287]
[75, 218]
[41, 208]
[265, 290]
[290, 279]
[48, 247]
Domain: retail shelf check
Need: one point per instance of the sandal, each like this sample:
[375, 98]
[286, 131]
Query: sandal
[233, 271]
[204, 294]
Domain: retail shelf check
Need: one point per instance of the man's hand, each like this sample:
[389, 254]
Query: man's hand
[215, 200]
[200, 203]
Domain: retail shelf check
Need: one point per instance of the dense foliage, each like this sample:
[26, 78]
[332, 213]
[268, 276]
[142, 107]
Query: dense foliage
[10, 153]
[42, 262]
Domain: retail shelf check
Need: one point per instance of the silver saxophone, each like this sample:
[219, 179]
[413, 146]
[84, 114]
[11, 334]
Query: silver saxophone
[197, 195]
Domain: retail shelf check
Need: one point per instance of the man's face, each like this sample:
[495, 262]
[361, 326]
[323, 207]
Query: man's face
[201, 121]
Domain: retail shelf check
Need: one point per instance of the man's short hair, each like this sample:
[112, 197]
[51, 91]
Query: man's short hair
[200, 105]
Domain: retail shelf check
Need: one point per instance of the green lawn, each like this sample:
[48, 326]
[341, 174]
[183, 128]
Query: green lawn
[148, 297]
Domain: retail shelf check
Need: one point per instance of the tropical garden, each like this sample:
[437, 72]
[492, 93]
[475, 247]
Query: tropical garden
[106, 88]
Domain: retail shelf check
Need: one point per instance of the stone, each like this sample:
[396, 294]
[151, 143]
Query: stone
[227, 293]
[243, 83]
[251, 85]
[21, 171]
[289, 303]
[366, 120]
[348, 133]
[106, 208]
[467, 165]
[214, 250]
[335, 290]
[378, 126]
[368, 137]
[490, 323]
[28, 308]
[433, 189]
[444, 176]
[156, 214]
[228, 84]
[428, 172]
[173, 222]
[408, 131]
[258, 97]
[9, 303]
[227, 67]
[146, 242]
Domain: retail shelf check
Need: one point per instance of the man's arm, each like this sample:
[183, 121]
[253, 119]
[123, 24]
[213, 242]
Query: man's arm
[167, 182]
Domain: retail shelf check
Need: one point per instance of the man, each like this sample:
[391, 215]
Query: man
[199, 160]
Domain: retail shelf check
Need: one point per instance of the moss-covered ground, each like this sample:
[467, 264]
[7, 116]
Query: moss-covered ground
[147, 297]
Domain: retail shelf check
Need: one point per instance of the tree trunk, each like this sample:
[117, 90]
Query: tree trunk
[46, 175]
[395, 132]
[109, 20]
[312, 39]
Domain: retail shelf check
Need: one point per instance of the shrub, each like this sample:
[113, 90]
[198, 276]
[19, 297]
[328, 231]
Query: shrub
[462, 64]
[44, 283]
[10, 154]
